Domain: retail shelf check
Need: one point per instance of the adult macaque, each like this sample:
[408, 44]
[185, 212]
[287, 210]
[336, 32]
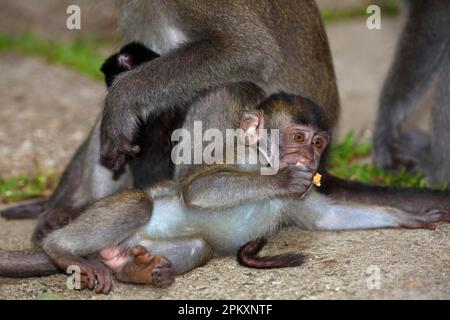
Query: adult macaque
[149, 236]
[210, 51]
[422, 60]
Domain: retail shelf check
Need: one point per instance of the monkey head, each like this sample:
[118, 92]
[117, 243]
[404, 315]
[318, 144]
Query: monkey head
[304, 131]
[129, 57]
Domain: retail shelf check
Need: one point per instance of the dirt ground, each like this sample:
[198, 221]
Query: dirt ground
[47, 110]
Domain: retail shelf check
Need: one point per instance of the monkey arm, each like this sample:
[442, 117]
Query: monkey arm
[227, 189]
[107, 222]
[325, 213]
[226, 186]
[177, 79]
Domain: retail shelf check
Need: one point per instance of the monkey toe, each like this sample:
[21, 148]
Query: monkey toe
[139, 251]
[145, 268]
[163, 274]
[104, 281]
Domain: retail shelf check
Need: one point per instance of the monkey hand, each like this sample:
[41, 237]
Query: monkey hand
[294, 180]
[118, 131]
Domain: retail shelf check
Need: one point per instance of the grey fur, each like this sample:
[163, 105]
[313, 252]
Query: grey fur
[421, 57]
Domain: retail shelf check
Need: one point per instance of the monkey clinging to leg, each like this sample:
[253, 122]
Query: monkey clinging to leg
[149, 236]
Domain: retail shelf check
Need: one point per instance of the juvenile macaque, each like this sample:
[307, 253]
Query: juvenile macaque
[149, 236]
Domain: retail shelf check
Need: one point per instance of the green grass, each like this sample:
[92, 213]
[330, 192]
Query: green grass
[82, 55]
[350, 159]
[49, 296]
[23, 187]
[388, 8]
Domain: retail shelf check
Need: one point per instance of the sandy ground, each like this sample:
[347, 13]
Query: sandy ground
[47, 110]
[49, 17]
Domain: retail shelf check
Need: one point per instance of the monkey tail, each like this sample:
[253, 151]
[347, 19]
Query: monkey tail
[247, 256]
[29, 210]
[27, 263]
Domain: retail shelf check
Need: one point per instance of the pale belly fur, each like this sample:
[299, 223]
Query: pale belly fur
[224, 230]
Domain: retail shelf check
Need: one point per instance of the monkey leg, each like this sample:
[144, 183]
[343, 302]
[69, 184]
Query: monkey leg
[411, 150]
[438, 170]
[107, 223]
[420, 53]
[137, 265]
[156, 262]
[84, 181]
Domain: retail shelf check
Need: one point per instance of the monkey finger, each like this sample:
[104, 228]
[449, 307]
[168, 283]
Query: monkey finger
[299, 173]
[100, 281]
[300, 168]
[108, 283]
[119, 165]
[138, 250]
[91, 279]
[108, 153]
[131, 150]
[163, 276]
[111, 158]
[84, 282]
[436, 215]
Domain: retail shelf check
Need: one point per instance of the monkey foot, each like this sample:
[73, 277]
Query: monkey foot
[147, 269]
[404, 152]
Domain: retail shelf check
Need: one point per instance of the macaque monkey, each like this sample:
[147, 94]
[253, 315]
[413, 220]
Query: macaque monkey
[209, 52]
[148, 236]
[421, 62]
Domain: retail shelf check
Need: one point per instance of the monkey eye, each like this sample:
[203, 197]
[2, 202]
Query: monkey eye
[318, 143]
[299, 137]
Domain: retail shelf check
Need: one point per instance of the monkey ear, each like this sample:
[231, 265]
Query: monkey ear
[252, 123]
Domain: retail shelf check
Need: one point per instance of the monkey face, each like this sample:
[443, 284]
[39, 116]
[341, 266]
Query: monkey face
[299, 143]
[302, 144]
